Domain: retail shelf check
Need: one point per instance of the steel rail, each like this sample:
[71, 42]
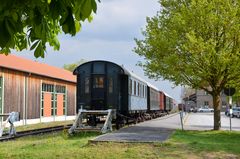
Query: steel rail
[19, 134]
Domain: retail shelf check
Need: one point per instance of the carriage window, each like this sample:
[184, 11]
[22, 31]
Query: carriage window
[130, 86]
[143, 91]
[138, 89]
[87, 85]
[110, 85]
[99, 68]
[135, 93]
[98, 82]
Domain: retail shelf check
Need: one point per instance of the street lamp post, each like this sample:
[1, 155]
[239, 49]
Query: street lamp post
[229, 92]
[230, 112]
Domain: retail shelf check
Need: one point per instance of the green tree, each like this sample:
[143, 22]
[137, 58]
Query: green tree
[72, 66]
[34, 23]
[194, 43]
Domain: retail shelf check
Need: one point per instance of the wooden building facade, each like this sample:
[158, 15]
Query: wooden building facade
[38, 91]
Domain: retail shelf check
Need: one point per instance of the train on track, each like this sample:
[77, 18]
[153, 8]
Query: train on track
[103, 85]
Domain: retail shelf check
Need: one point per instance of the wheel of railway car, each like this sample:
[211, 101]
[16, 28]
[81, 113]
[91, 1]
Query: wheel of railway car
[120, 122]
[141, 119]
[134, 121]
[138, 119]
[92, 120]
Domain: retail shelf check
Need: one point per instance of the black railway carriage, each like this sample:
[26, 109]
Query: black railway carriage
[101, 85]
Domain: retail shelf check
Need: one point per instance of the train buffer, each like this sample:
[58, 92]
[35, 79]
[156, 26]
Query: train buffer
[89, 120]
[11, 118]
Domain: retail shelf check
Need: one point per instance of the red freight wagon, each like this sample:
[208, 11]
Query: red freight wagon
[161, 100]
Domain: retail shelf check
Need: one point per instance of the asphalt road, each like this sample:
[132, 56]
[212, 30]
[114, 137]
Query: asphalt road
[204, 121]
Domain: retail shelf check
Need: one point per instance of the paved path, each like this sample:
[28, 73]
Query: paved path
[156, 130]
[204, 121]
[160, 129]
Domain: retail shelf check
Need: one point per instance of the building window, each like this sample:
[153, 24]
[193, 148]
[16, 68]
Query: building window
[54, 90]
[60, 89]
[64, 104]
[110, 85]
[206, 103]
[47, 87]
[130, 86]
[86, 85]
[206, 93]
[54, 104]
[98, 82]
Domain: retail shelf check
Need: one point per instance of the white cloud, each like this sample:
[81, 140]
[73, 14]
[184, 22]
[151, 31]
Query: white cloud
[109, 37]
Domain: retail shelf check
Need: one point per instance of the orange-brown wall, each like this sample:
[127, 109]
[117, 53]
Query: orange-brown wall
[13, 91]
[16, 82]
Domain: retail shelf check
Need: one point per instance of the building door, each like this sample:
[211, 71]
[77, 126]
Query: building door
[1, 95]
[59, 104]
[47, 104]
[98, 92]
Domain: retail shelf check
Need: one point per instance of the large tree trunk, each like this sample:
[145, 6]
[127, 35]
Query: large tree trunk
[217, 111]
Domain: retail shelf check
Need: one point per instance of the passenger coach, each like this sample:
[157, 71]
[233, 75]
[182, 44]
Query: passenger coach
[103, 85]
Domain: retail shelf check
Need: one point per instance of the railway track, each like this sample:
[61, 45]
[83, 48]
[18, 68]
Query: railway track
[6, 137]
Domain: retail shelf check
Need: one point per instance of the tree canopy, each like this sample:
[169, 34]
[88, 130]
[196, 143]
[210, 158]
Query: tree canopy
[194, 43]
[31, 23]
[72, 66]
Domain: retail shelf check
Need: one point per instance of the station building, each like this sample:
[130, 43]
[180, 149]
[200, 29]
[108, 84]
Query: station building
[38, 91]
[196, 98]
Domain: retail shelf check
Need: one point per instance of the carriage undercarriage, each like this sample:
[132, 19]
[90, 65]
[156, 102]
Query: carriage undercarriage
[103, 120]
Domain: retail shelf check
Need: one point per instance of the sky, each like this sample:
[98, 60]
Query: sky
[110, 36]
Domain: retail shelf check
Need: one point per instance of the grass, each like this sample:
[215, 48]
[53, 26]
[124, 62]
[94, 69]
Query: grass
[182, 144]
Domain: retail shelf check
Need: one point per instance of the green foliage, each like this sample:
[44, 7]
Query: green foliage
[194, 43]
[30, 23]
[182, 144]
[71, 67]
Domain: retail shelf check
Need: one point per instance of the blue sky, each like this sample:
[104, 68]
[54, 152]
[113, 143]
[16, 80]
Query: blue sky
[110, 36]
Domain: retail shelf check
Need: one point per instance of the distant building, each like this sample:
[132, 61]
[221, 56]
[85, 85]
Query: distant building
[38, 91]
[199, 98]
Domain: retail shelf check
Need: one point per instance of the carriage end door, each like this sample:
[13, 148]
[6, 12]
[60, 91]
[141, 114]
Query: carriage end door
[98, 92]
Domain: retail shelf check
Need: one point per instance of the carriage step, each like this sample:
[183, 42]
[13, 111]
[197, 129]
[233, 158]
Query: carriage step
[88, 129]
[78, 125]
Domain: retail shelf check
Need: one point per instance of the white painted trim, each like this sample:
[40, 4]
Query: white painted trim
[3, 90]
[54, 101]
[43, 120]
[26, 104]
[40, 112]
[66, 101]
[2, 95]
[24, 99]
[75, 100]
